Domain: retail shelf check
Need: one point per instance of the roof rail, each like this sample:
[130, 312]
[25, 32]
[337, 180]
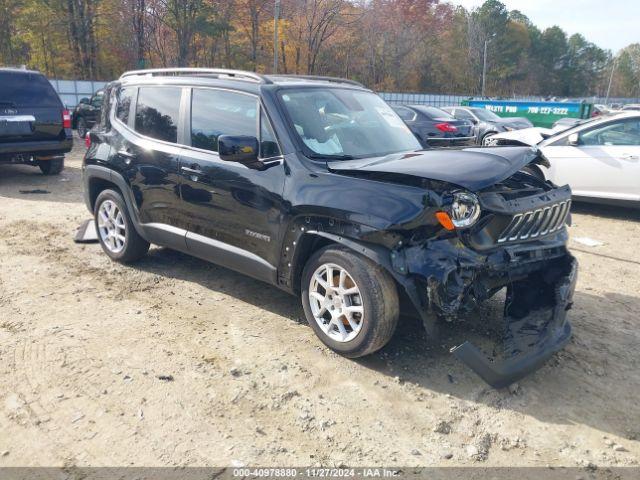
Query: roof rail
[319, 78]
[219, 72]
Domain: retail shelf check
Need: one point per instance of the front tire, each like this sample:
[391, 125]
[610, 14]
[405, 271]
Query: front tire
[51, 167]
[116, 233]
[350, 302]
[487, 141]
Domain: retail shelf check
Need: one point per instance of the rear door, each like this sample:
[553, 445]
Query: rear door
[147, 152]
[30, 109]
[604, 164]
[466, 116]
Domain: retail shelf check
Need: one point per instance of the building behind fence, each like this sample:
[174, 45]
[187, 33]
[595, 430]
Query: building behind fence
[71, 91]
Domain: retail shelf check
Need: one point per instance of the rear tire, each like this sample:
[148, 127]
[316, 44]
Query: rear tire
[116, 232]
[51, 167]
[373, 310]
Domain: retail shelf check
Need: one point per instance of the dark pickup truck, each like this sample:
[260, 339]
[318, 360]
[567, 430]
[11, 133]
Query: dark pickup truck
[87, 113]
[35, 127]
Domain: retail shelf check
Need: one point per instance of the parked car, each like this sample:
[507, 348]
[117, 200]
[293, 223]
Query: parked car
[567, 122]
[35, 127]
[599, 109]
[599, 158]
[434, 127]
[87, 113]
[316, 186]
[631, 106]
[486, 122]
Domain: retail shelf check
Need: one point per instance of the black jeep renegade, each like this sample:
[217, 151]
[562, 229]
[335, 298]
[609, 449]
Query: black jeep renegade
[315, 185]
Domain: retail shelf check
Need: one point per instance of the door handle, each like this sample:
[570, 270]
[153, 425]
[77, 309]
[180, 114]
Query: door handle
[126, 154]
[191, 171]
[630, 157]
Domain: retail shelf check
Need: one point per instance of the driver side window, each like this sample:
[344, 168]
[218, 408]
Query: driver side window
[220, 112]
[613, 134]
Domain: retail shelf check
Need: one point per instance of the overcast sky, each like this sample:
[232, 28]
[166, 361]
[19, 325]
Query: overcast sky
[611, 24]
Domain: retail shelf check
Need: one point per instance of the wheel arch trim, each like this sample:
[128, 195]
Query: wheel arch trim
[92, 172]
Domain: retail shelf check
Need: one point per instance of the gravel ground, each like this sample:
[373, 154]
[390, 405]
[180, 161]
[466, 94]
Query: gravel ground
[174, 361]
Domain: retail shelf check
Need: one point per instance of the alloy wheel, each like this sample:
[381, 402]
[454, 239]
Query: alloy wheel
[111, 226]
[336, 302]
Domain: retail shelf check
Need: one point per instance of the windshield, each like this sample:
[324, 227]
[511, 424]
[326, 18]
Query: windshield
[343, 123]
[485, 115]
[561, 129]
[568, 124]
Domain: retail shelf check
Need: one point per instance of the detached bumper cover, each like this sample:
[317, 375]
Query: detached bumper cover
[446, 279]
[533, 331]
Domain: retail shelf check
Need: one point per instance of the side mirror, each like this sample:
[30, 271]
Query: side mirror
[84, 100]
[238, 148]
[573, 139]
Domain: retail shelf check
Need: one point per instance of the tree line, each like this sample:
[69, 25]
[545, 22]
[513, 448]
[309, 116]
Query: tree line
[389, 45]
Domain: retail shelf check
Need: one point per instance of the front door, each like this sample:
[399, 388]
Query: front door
[233, 213]
[604, 164]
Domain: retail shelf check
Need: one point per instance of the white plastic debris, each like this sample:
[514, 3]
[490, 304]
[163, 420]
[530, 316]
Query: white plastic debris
[589, 242]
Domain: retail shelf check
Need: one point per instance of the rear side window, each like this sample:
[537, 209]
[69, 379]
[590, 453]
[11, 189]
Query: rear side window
[157, 112]
[433, 113]
[27, 90]
[218, 112]
[125, 95]
[405, 113]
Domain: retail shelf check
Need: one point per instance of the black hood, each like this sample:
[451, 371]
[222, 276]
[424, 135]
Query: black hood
[470, 168]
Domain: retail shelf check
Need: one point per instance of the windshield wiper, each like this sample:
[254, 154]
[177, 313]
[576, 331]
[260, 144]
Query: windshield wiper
[321, 156]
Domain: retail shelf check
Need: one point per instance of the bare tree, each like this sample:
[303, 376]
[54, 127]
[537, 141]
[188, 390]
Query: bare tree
[180, 17]
[254, 11]
[81, 17]
[138, 20]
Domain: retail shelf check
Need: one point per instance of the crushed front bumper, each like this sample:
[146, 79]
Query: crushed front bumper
[450, 280]
[532, 335]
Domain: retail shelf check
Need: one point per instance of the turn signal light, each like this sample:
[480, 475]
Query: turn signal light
[446, 127]
[66, 119]
[445, 220]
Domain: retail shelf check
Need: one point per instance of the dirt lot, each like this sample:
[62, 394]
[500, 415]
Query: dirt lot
[85, 343]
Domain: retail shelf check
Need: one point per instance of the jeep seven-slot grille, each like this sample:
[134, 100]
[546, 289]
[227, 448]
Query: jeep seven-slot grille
[536, 223]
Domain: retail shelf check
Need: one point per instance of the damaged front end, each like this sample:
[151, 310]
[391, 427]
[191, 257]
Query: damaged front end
[460, 226]
[535, 324]
[519, 244]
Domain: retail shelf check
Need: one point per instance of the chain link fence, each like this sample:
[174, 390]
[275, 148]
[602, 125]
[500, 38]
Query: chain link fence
[71, 91]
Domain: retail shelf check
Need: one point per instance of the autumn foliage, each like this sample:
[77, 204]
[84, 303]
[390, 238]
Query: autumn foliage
[399, 45]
